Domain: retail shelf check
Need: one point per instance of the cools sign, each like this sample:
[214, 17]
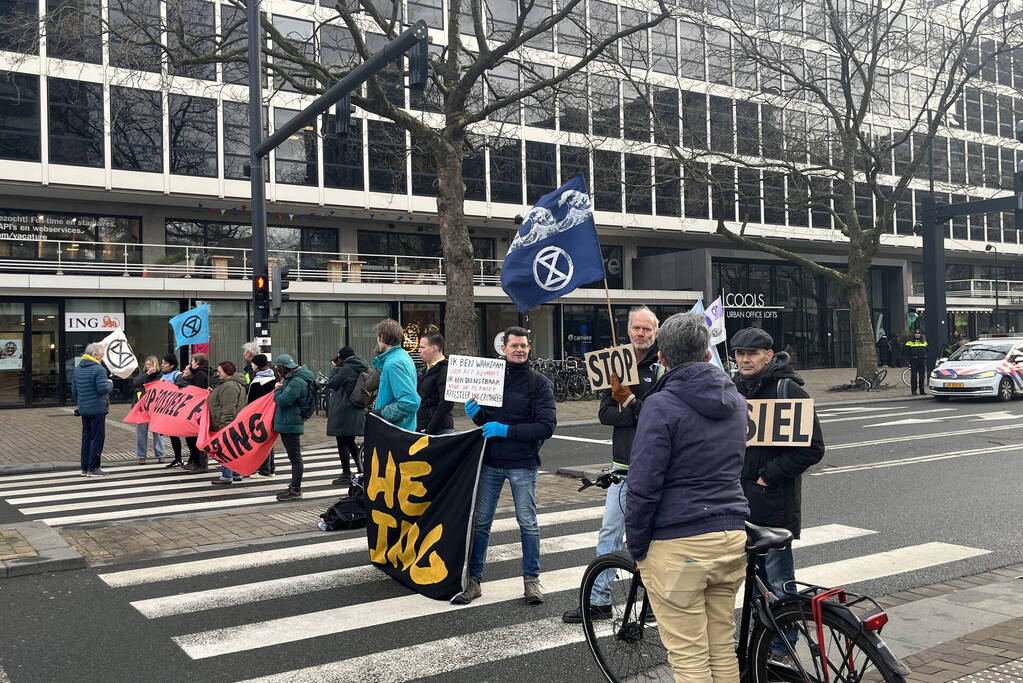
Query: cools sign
[749, 305]
[93, 322]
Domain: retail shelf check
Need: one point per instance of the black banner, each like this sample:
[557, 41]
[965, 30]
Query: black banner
[420, 497]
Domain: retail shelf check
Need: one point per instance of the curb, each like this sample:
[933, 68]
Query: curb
[54, 553]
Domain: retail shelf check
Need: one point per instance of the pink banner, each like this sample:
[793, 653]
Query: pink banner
[169, 409]
[243, 445]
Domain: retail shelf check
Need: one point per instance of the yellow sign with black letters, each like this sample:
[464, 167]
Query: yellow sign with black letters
[420, 497]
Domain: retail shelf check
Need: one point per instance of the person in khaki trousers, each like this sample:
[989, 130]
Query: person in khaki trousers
[685, 509]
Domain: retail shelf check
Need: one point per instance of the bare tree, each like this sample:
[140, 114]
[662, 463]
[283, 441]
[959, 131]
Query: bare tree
[843, 102]
[495, 57]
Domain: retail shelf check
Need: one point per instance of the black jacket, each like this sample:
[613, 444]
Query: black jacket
[260, 387]
[138, 383]
[531, 419]
[624, 419]
[197, 378]
[434, 412]
[780, 502]
[344, 418]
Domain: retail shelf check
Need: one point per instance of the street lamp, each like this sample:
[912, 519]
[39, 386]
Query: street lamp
[992, 248]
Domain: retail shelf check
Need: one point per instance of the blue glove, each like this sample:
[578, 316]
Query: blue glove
[472, 408]
[492, 429]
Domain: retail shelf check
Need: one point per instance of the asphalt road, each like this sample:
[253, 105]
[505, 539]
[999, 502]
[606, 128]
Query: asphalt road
[934, 485]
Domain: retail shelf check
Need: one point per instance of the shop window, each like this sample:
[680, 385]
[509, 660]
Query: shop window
[607, 180]
[362, 319]
[74, 30]
[541, 173]
[145, 325]
[19, 117]
[667, 187]
[386, 157]
[296, 157]
[505, 171]
[193, 135]
[418, 319]
[324, 330]
[76, 123]
[136, 129]
[194, 20]
[39, 235]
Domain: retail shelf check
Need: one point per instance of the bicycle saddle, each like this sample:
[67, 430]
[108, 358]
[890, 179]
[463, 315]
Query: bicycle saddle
[760, 539]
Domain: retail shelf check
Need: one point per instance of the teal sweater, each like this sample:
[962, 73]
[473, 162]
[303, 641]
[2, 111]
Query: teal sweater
[397, 399]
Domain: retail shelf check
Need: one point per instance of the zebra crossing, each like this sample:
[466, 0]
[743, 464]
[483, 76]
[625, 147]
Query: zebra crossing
[323, 608]
[143, 491]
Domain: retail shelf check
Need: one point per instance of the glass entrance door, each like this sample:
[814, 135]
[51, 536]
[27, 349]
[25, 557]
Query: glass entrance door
[12, 353]
[44, 354]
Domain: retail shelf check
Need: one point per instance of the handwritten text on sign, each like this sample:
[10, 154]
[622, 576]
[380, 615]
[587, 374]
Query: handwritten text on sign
[620, 360]
[479, 378]
[780, 422]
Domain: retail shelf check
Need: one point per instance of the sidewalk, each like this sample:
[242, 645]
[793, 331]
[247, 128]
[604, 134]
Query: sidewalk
[48, 438]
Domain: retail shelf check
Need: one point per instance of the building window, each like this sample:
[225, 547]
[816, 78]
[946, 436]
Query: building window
[429, 99]
[342, 156]
[505, 171]
[19, 117]
[665, 60]
[721, 125]
[798, 200]
[296, 156]
[637, 184]
[696, 192]
[76, 123]
[424, 172]
[667, 187]
[192, 19]
[236, 140]
[386, 157]
[575, 161]
[430, 11]
[749, 195]
[822, 189]
[74, 30]
[774, 198]
[637, 112]
[474, 168]
[134, 34]
[691, 52]
[666, 116]
[193, 135]
[572, 98]
[234, 35]
[538, 108]
[694, 120]
[541, 173]
[722, 192]
[86, 237]
[392, 78]
[771, 131]
[719, 57]
[607, 180]
[503, 81]
[290, 75]
[18, 21]
[136, 129]
[747, 133]
[605, 106]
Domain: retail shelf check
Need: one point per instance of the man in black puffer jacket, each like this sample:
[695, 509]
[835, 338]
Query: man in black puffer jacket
[772, 475]
[434, 416]
[514, 433]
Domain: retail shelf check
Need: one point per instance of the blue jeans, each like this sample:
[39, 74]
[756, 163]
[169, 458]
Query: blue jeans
[523, 488]
[142, 437]
[777, 569]
[612, 534]
[228, 474]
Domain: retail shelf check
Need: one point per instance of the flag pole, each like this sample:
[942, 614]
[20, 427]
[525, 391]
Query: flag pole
[610, 315]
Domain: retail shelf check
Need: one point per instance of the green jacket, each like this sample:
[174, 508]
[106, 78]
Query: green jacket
[289, 398]
[226, 401]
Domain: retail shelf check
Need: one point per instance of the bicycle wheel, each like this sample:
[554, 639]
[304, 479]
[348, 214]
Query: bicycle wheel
[577, 387]
[879, 376]
[905, 377]
[560, 389]
[627, 646]
[851, 657]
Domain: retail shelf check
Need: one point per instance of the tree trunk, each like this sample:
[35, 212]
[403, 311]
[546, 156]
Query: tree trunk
[864, 347]
[460, 313]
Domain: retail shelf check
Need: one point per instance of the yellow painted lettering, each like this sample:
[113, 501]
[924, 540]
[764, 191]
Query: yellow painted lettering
[409, 487]
[436, 571]
[381, 484]
[419, 445]
[384, 522]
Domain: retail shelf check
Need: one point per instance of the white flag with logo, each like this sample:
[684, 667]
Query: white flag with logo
[715, 315]
[118, 357]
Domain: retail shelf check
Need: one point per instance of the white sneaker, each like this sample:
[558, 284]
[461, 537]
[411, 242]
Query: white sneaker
[86, 473]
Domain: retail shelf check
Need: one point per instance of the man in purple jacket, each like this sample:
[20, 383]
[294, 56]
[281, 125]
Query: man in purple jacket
[685, 508]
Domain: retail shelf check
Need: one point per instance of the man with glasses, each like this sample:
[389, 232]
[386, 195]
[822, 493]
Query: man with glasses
[514, 432]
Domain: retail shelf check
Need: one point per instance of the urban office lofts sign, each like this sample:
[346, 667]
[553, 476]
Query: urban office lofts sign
[749, 305]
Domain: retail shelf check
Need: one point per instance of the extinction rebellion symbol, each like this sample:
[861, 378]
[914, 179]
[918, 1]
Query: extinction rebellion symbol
[191, 327]
[117, 355]
[552, 269]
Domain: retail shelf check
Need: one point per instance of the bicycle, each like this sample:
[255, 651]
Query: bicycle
[906, 376]
[833, 634]
[322, 392]
[870, 382]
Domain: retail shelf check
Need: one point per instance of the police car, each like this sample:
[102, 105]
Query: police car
[991, 366]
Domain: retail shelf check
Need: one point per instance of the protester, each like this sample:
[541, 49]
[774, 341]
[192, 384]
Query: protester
[249, 351]
[514, 432]
[169, 368]
[685, 513]
[262, 383]
[434, 416]
[884, 351]
[772, 475]
[619, 409]
[397, 400]
[225, 402]
[196, 374]
[916, 354]
[290, 393]
[150, 373]
[345, 420]
[92, 389]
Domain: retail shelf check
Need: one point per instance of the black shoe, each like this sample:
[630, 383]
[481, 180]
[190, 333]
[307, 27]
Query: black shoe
[289, 494]
[575, 616]
[174, 463]
[343, 480]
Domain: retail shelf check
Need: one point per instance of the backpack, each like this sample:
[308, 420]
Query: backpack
[366, 386]
[307, 404]
[348, 512]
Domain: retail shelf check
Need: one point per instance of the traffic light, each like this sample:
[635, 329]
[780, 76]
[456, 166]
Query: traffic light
[278, 283]
[418, 65]
[261, 297]
[343, 115]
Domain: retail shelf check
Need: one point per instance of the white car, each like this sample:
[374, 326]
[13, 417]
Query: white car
[987, 367]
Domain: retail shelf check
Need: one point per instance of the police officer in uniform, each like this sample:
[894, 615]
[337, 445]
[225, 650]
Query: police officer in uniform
[916, 354]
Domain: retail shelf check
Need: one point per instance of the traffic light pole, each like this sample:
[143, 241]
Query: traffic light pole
[417, 36]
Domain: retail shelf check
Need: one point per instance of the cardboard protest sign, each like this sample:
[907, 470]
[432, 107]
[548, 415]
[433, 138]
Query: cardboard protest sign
[479, 378]
[780, 422]
[419, 505]
[620, 360]
[243, 445]
[169, 409]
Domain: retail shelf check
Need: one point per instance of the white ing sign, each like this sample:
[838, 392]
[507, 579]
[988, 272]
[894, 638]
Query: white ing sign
[93, 322]
[478, 378]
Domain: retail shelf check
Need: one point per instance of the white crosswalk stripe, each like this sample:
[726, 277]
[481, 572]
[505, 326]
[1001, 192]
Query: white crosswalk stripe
[230, 590]
[61, 499]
